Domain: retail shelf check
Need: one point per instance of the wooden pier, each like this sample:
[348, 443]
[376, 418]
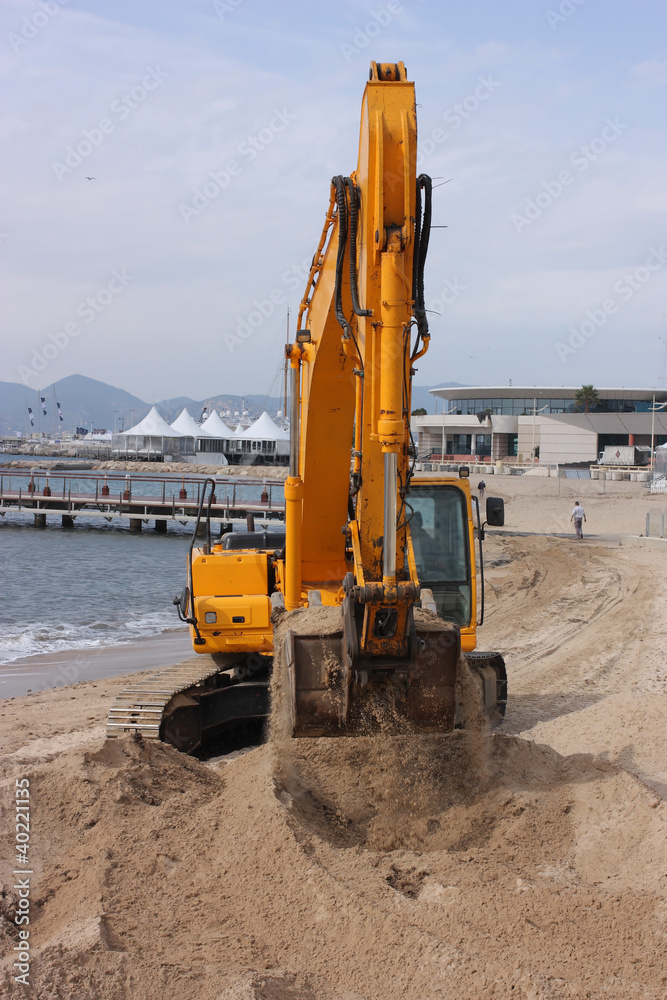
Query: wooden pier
[139, 499]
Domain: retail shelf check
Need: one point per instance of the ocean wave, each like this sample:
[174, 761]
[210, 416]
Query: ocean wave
[31, 638]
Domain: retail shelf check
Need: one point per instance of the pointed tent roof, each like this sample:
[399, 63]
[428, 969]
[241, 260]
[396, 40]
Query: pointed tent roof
[154, 425]
[265, 429]
[215, 426]
[186, 424]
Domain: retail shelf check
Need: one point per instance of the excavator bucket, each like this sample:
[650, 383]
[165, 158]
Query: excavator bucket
[335, 691]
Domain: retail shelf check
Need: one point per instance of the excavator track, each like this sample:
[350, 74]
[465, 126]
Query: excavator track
[140, 708]
[191, 703]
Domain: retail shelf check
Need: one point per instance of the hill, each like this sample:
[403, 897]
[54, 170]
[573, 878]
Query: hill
[83, 401]
[87, 401]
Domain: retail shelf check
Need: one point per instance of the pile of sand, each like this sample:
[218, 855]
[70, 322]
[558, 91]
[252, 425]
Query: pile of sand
[161, 877]
[386, 867]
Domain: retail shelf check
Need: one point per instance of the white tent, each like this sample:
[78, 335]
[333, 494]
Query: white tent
[213, 440]
[215, 426]
[264, 441]
[265, 429]
[153, 439]
[153, 424]
[185, 424]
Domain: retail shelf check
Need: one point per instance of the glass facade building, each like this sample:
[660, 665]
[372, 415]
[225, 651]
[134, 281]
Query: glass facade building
[502, 406]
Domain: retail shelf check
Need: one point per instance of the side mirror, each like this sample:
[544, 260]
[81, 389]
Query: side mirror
[182, 604]
[495, 512]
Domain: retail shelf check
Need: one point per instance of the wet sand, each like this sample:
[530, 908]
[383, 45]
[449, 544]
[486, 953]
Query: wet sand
[72, 666]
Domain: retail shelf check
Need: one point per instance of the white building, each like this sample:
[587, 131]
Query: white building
[495, 422]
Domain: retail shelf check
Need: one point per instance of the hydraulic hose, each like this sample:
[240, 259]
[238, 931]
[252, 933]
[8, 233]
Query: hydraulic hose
[354, 214]
[422, 233]
[341, 202]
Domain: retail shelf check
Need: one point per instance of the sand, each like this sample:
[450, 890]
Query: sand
[534, 504]
[53, 670]
[389, 869]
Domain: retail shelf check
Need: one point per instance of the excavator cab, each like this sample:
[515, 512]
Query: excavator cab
[440, 532]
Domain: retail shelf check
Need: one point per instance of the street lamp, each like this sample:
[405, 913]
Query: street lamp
[536, 411]
[442, 446]
[654, 409]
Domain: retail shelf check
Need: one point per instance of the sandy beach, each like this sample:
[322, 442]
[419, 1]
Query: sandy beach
[358, 869]
[55, 670]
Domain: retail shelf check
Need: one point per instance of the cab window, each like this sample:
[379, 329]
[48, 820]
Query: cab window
[439, 529]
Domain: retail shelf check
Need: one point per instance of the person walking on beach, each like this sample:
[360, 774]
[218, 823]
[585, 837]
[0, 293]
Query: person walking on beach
[578, 516]
[481, 486]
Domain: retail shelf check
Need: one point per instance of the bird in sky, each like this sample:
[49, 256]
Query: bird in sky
[91, 178]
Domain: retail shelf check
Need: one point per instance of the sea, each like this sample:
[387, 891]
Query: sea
[92, 585]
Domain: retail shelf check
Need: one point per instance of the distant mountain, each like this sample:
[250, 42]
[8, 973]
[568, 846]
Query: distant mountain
[83, 401]
[86, 401]
[170, 408]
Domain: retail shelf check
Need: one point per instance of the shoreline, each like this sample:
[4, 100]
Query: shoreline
[44, 671]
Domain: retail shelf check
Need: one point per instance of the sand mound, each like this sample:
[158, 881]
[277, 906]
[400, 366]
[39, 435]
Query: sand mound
[162, 877]
[391, 867]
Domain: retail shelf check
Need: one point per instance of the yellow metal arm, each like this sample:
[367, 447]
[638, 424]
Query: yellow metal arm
[354, 344]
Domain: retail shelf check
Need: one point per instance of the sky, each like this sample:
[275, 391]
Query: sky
[212, 130]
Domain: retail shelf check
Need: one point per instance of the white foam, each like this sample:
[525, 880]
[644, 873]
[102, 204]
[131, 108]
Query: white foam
[31, 638]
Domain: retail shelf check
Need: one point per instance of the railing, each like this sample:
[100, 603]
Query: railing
[103, 487]
[109, 495]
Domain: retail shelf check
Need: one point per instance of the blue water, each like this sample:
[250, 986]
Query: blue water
[93, 585]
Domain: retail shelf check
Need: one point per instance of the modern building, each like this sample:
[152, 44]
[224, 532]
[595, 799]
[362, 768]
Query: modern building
[518, 422]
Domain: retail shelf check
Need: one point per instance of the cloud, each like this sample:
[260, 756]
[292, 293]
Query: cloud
[225, 80]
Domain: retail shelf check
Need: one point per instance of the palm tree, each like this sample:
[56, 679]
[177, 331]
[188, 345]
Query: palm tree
[587, 396]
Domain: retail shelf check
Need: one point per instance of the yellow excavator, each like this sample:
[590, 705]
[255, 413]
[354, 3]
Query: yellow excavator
[379, 571]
